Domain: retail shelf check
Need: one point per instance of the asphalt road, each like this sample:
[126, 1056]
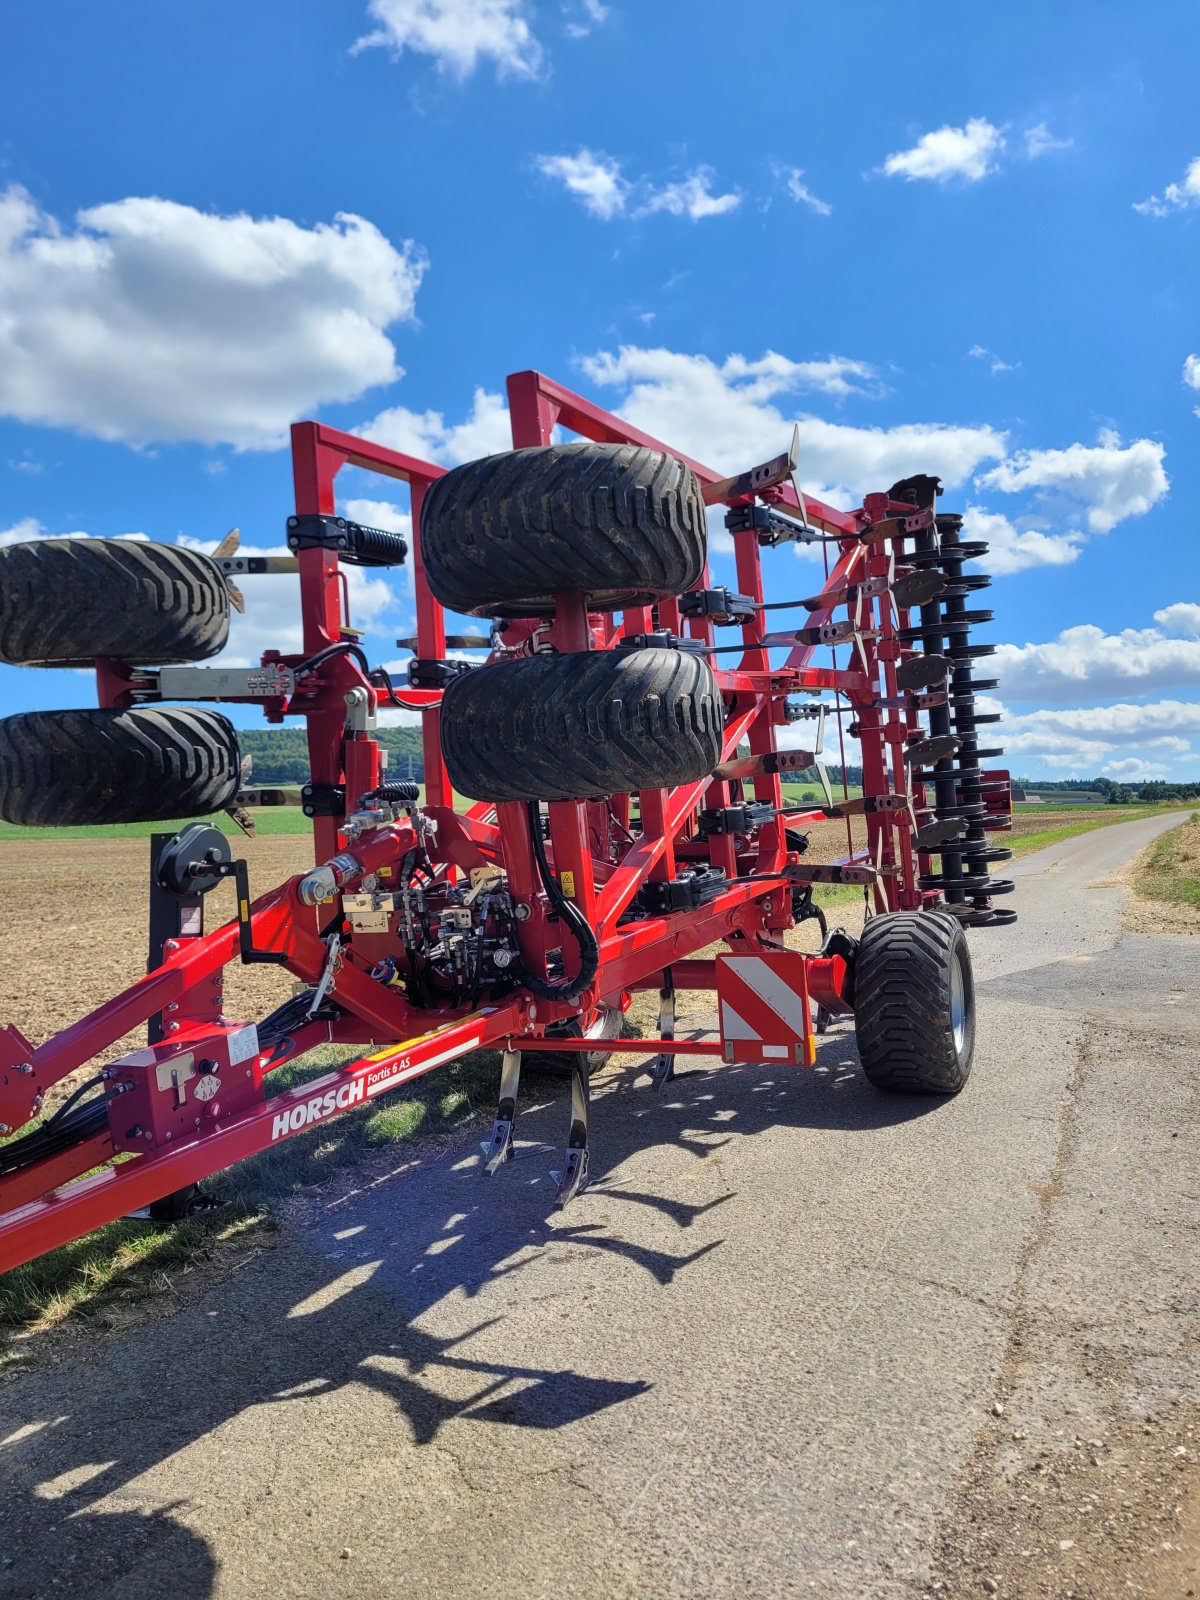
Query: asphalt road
[756, 1357]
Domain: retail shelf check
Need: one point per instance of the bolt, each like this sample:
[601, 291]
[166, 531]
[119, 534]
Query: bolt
[4, 1128]
[174, 1006]
[172, 1027]
[170, 944]
[533, 1013]
[25, 1068]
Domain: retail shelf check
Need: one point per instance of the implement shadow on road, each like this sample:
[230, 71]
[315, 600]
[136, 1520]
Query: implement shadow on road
[342, 1304]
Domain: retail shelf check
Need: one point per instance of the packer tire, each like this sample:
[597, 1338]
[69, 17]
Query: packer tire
[578, 726]
[909, 967]
[65, 601]
[149, 764]
[608, 1024]
[619, 523]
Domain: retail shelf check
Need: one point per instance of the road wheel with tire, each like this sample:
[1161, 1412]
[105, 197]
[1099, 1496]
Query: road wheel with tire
[570, 727]
[606, 1024]
[914, 1003]
[149, 764]
[618, 523]
[65, 601]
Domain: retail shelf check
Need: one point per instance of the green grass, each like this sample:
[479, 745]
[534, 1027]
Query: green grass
[1022, 844]
[106, 1275]
[1170, 869]
[269, 820]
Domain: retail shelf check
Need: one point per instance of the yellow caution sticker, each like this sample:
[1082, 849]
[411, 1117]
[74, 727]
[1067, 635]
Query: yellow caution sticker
[567, 879]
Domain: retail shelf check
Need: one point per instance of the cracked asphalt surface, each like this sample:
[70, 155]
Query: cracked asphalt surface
[761, 1354]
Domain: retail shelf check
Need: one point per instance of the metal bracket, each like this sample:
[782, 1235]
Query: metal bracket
[323, 799]
[662, 1068]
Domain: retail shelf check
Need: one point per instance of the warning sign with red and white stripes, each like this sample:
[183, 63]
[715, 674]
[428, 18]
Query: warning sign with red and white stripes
[762, 1001]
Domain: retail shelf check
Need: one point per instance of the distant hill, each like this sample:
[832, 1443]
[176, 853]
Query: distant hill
[280, 755]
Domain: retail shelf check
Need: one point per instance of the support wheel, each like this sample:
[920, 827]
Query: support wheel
[619, 523]
[606, 1024]
[77, 768]
[65, 601]
[914, 1003]
[577, 726]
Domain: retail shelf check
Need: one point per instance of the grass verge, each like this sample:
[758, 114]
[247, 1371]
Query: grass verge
[107, 1276]
[1170, 868]
[1023, 843]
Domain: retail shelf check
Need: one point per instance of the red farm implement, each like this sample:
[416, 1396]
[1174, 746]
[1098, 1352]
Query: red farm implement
[625, 765]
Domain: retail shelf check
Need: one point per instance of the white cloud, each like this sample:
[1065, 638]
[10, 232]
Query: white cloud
[458, 34]
[30, 528]
[1109, 480]
[427, 434]
[1088, 740]
[594, 178]
[597, 181]
[271, 620]
[1012, 549]
[969, 153]
[1086, 662]
[980, 352]
[1176, 196]
[1181, 618]
[691, 197]
[155, 321]
[1191, 372]
[802, 194]
[1039, 141]
[591, 14]
[727, 416]
[21, 532]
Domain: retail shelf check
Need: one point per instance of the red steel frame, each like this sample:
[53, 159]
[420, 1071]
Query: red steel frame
[40, 1207]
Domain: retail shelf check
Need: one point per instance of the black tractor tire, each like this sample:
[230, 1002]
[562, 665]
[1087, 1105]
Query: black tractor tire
[65, 601]
[914, 1003]
[150, 764]
[578, 726]
[618, 523]
[608, 1023]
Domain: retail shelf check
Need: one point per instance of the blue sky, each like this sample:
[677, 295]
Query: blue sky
[952, 238]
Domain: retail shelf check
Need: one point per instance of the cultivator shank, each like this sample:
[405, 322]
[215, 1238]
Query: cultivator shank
[623, 748]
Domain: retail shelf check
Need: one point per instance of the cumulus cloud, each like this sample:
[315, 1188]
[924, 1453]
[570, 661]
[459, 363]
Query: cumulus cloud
[1012, 549]
[1085, 662]
[691, 197]
[1118, 739]
[1039, 141]
[802, 194]
[1108, 480]
[1181, 618]
[590, 14]
[593, 178]
[458, 34]
[1191, 372]
[21, 532]
[271, 620]
[153, 321]
[969, 153]
[1176, 196]
[599, 184]
[979, 352]
[427, 434]
[728, 415]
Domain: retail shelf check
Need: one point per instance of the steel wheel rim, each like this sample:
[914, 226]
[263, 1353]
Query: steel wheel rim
[958, 1005]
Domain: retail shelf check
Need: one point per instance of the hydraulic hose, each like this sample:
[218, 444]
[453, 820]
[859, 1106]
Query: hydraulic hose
[577, 924]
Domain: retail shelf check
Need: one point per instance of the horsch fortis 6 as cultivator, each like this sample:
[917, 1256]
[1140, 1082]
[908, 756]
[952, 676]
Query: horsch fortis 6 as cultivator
[624, 763]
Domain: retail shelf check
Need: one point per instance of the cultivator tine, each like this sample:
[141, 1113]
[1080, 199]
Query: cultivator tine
[574, 1175]
[499, 1148]
[662, 1068]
